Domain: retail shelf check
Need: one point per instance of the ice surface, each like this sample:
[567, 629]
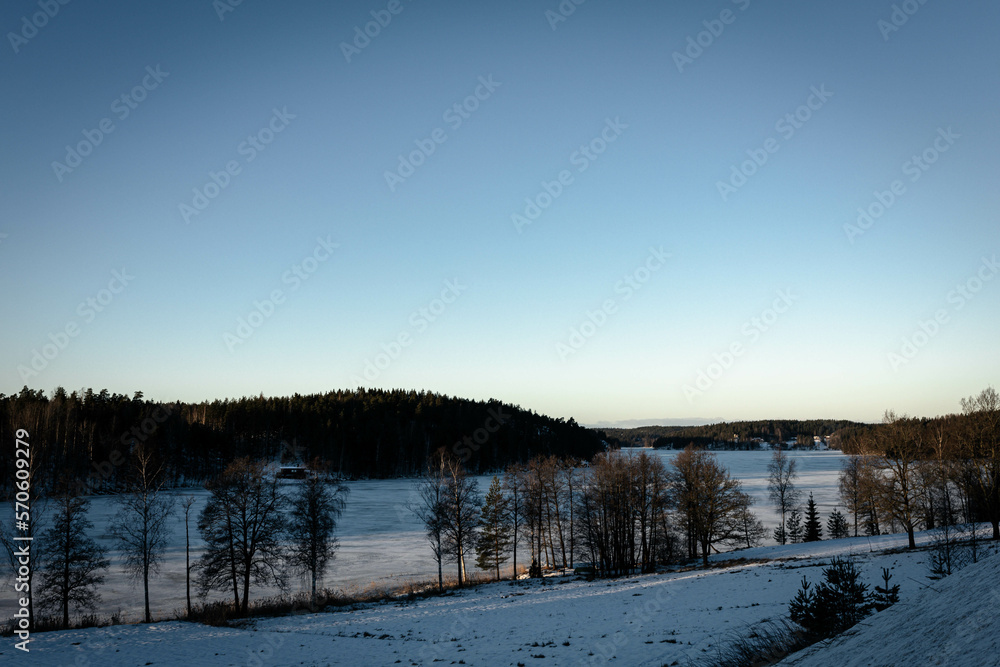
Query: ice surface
[382, 541]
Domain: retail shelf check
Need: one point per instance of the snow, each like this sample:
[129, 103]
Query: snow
[643, 620]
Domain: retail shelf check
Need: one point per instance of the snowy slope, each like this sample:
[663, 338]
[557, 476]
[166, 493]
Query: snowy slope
[645, 620]
[957, 622]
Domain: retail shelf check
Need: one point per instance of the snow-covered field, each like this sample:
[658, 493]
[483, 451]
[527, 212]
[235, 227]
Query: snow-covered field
[382, 541]
[664, 619]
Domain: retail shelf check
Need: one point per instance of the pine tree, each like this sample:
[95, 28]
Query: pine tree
[885, 595]
[73, 561]
[495, 534]
[813, 530]
[793, 526]
[837, 525]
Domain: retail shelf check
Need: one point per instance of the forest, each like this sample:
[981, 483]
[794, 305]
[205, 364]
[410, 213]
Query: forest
[365, 433]
[721, 435]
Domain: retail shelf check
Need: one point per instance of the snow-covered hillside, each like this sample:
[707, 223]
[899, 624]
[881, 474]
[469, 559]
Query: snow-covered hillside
[645, 620]
[955, 622]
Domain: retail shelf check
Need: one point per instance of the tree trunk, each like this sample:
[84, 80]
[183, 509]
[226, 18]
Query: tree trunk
[145, 588]
[996, 529]
[314, 588]
[236, 589]
[461, 565]
[187, 563]
[440, 573]
[246, 588]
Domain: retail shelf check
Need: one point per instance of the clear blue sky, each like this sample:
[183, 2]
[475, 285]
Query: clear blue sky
[664, 131]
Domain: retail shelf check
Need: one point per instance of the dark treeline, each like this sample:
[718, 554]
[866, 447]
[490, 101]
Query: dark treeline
[364, 433]
[770, 430]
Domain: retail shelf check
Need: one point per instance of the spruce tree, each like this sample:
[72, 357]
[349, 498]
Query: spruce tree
[495, 534]
[813, 530]
[837, 525]
[835, 604]
[793, 526]
[885, 595]
[801, 608]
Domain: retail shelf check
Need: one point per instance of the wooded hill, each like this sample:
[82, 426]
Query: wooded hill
[721, 434]
[362, 433]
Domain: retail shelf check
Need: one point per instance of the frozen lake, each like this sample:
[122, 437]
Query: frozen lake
[382, 541]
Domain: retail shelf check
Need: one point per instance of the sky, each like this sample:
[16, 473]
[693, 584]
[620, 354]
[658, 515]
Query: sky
[641, 211]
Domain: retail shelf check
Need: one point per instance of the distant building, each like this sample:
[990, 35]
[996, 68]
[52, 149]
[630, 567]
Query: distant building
[292, 472]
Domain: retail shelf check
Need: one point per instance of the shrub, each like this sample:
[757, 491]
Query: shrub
[834, 605]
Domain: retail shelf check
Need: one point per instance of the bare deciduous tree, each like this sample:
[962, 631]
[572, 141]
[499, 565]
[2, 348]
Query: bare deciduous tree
[187, 505]
[512, 484]
[781, 473]
[140, 526]
[243, 527]
[73, 561]
[898, 451]
[315, 509]
[460, 512]
[432, 490]
[707, 497]
[982, 451]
